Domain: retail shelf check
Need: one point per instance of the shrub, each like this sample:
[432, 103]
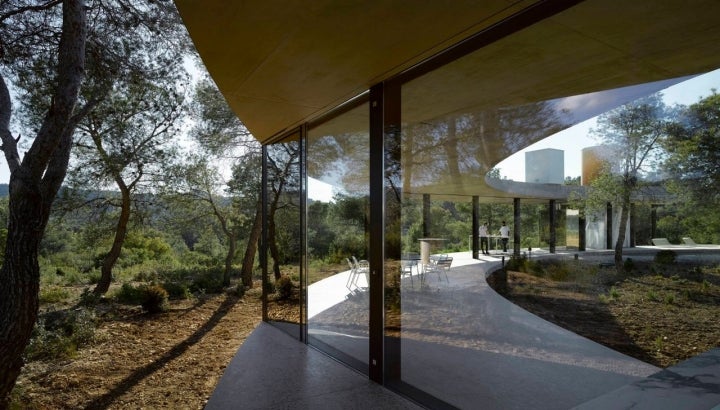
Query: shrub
[129, 294]
[665, 257]
[177, 290]
[53, 294]
[208, 280]
[58, 334]
[283, 287]
[628, 265]
[89, 298]
[558, 271]
[154, 299]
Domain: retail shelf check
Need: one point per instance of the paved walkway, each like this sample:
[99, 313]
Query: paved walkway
[460, 342]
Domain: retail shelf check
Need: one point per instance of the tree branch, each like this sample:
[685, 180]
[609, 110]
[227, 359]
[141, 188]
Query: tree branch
[9, 144]
[21, 10]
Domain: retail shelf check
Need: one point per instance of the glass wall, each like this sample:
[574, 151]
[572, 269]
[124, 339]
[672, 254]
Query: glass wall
[459, 342]
[337, 247]
[283, 273]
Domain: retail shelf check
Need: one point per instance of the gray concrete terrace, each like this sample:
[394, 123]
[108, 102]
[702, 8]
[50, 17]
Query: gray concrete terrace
[491, 354]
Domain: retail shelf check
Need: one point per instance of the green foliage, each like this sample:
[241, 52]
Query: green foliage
[154, 298]
[58, 334]
[129, 294]
[89, 298]
[284, 287]
[665, 257]
[628, 265]
[177, 290]
[207, 280]
[53, 294]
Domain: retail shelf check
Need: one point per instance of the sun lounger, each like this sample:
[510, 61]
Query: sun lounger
[689, 241]
[661, 242]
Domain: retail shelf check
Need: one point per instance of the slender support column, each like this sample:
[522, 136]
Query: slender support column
[653, 221]
[632, 225]
[264, 233]
[608, 226]
[553, 232]
[475, 227]
[426, 215]
[581, 231]
[516, 226]
[377, 233]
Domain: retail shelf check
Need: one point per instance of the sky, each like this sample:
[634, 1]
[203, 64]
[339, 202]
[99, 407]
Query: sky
[572, 140]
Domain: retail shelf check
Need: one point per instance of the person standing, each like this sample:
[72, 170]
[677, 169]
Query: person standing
[504, 235]
[483, 232]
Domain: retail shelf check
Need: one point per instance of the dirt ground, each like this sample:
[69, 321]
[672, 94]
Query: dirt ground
[170, 360]
[659, 315]
[173, 360]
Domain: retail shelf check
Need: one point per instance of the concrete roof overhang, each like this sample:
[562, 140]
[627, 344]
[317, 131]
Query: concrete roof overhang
[280, 64]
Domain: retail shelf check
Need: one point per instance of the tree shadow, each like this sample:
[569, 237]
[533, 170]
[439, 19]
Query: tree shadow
[138, 375]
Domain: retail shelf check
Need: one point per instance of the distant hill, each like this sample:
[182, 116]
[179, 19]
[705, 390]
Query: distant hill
[4, 190]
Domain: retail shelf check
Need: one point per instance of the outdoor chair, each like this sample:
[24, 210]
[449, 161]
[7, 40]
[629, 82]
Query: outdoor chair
[661, 242]
[689, 241]
[362, 268]
[440, 264]
[351, 277]
[406, 269]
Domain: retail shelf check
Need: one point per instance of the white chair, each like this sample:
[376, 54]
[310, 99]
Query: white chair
[439, 264]
[406, 269]
[351, 277]
[362, 267]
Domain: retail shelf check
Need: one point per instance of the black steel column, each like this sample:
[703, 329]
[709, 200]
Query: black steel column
[263, 233]
[475, 227]
[653, 221]
[426, 215]
[608, 226]
[377, 233]
[516, 226]
[553, 233]
[632, 225]
[581, 231]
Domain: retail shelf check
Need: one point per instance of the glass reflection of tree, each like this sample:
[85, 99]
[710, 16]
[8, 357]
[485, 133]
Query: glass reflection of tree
[471, 142]
[284, 194]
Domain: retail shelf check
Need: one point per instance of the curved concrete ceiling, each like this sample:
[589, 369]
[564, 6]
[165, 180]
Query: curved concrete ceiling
[280, 64]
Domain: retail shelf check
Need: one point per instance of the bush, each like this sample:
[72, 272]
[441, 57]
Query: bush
[53, 294]
[154, 299]
[665, 257]
[129, 294]
[283, 287]
[628, 265]
[177, 290]
[58, 334]
[89, 298]
[208, 281]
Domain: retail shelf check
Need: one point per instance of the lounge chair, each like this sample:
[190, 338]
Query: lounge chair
[661, 242]
[689, 241]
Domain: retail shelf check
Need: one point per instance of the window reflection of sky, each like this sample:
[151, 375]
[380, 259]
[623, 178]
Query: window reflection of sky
[572, 140]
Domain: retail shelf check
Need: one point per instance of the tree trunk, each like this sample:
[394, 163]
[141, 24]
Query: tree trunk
[33, 186]
[272, 245]
[120, 234]
[20, 279]
[621, 233]
[232, 239]
[249, 258]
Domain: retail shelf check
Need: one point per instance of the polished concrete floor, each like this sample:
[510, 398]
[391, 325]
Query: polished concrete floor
[504, 358]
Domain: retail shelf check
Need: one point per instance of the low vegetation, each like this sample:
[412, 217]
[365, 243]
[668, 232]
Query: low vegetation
[660, 311]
